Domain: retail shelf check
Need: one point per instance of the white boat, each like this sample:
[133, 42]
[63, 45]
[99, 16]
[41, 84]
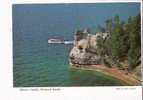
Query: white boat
[55, 41]
[68, 42]
[60, 41]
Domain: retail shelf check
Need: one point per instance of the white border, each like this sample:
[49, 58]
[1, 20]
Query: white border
[69, 1]
[66, 93]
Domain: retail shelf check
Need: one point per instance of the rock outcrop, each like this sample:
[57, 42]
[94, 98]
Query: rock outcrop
[91, 52]
[84, 51]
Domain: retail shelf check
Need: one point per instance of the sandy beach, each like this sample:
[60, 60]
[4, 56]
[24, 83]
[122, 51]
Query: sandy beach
[114, 72]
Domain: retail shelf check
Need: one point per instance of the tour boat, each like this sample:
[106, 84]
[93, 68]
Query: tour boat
[55, 41]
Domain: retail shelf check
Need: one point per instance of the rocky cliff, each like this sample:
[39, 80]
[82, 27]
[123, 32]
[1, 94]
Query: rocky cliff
[85, 49]
[93, 52]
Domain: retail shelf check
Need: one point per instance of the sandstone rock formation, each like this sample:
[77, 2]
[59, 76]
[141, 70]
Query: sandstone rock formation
[84, 51]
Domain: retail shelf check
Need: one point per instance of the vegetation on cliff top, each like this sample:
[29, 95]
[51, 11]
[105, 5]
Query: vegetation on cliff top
[117, 44]
[124, 43]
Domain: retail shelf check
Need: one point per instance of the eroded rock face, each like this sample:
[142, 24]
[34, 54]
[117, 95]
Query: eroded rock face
[84, 51]
[83, 57]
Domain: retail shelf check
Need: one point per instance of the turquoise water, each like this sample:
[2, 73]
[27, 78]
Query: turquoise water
[47, 65]
[37, 63]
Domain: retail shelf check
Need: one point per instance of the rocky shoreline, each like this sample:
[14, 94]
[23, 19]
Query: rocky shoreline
[85, 48]
[85, 55]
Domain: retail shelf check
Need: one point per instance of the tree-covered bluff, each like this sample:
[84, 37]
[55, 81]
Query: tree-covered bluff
[116, 45]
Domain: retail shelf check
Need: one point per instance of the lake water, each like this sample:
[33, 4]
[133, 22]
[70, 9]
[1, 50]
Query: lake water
[37, 63]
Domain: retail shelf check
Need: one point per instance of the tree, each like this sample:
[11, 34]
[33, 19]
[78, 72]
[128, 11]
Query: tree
[134, 42]
[100, 48]
[117, 39]
[109, 25]
[123, 43]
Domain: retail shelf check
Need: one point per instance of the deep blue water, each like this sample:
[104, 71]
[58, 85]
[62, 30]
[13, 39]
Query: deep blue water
[37, 63]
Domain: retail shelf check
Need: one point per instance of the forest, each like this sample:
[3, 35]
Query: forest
[123, 47]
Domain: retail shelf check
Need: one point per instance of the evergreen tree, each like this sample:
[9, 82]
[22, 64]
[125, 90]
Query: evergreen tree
[134, 42]
[109, 25]
[101, 48]
[117, 39]
[124, 42]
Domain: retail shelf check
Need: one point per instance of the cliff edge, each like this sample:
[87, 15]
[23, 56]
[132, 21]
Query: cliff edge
[85, 50]
[92, 52]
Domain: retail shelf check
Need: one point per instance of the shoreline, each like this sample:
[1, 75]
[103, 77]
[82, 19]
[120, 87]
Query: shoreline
[113, 72]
